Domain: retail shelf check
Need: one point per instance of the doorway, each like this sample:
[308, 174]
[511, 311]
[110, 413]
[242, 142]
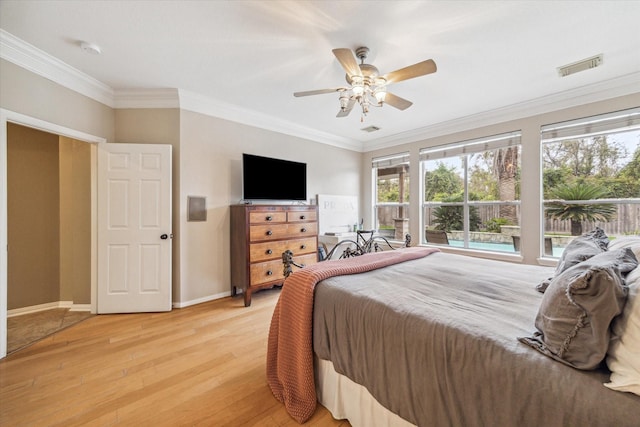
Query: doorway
[48, 232]
[10, 117]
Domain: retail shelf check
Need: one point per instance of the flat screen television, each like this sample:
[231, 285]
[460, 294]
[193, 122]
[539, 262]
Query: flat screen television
[266, 178]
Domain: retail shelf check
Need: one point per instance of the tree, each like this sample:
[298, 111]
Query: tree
[442, 181]
[578, 213]
[595, 156]
[449, 218]
[627, 183]
[506, 168]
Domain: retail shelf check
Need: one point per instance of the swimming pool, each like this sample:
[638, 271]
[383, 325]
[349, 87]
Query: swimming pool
[499, 247]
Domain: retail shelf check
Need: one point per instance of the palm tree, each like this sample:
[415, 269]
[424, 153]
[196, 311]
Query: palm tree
[578, 213]
[450, 217]
[506, 169]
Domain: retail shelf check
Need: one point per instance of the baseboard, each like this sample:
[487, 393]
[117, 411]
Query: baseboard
[184, 304]
[41, 307]
[80, 307]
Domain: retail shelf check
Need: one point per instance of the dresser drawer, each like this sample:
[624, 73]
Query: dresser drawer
[302, 229]
[267, 217]
[301, 216]
[268, 232]
[270, 271]
[282, 231]
[267, 271]
[273, 250]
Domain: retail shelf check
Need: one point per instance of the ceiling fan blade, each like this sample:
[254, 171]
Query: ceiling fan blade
[347, 110]
[415, 70]
[348, 61]
[319, 91]
[397, 102]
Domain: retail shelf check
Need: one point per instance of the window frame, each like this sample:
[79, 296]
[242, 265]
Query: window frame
[388, 161]
[612, 123]
[464, 149]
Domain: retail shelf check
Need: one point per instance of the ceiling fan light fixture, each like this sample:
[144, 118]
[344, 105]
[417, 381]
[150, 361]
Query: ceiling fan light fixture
[344, 101]
[357, 85]
[366, 87]
[380, 93]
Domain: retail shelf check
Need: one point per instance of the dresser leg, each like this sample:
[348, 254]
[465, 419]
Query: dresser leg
[247, 297]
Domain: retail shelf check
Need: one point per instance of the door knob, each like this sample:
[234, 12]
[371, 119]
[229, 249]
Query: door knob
[164, 236]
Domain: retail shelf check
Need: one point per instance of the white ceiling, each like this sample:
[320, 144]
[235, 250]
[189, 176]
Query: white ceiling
[495, 59]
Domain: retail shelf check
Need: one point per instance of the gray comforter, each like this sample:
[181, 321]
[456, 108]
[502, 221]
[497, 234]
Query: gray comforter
[435, 341]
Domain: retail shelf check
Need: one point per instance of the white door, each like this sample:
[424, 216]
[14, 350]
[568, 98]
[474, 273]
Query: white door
[134, 228]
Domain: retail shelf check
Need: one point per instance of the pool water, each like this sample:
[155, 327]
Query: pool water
[499, 247]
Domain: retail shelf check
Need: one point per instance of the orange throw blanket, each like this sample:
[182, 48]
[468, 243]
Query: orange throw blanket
[290, 347]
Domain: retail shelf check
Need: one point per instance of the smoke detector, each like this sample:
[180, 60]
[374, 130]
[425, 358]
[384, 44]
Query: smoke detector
[90, 48]
[576, 67]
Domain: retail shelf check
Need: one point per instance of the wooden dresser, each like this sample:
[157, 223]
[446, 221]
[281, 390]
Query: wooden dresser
[259, 236]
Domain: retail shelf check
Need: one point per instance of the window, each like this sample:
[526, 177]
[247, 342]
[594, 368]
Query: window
[391, 195]
[591, 176]
[472, 193]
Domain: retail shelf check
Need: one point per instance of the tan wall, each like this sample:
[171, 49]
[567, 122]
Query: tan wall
[75, 221]
[33, 217]
[49, 218]
[211, 166]
[29, 94]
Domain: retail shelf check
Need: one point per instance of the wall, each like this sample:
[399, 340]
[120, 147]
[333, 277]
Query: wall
[29, 94]
[49, 218]
[207, 162]
[35, 96]
[531, 219]
[211, 166]
[33, 215]
[75, 221]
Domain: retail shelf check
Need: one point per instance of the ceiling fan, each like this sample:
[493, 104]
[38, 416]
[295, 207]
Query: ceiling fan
[366, 86]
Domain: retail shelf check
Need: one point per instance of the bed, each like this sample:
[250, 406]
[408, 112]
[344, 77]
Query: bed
[430, 340]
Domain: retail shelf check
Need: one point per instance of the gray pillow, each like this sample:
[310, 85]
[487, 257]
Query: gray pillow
[578, 250]
[577, 309]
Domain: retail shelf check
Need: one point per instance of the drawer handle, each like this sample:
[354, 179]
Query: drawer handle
[303, 230]
[269, 232]
[269, 272]
[302, 217]
[269, 251]
[269, 218]
[303, 246]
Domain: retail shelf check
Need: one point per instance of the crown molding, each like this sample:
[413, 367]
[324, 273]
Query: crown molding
[601, 91]
[147, 98]
[204, 105]
[41, 63]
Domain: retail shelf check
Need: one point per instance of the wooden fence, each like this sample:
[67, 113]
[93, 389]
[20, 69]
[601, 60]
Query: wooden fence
[626, 221]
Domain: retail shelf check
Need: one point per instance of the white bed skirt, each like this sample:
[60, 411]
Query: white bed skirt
[346, 399]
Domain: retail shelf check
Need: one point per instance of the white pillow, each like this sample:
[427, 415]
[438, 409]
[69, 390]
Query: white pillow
[624, 347]
[632, 242]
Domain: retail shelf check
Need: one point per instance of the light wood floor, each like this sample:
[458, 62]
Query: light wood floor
[200, 366]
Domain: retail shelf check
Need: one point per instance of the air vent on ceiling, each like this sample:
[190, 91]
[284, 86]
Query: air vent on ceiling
[576, 67]
[371, 129]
